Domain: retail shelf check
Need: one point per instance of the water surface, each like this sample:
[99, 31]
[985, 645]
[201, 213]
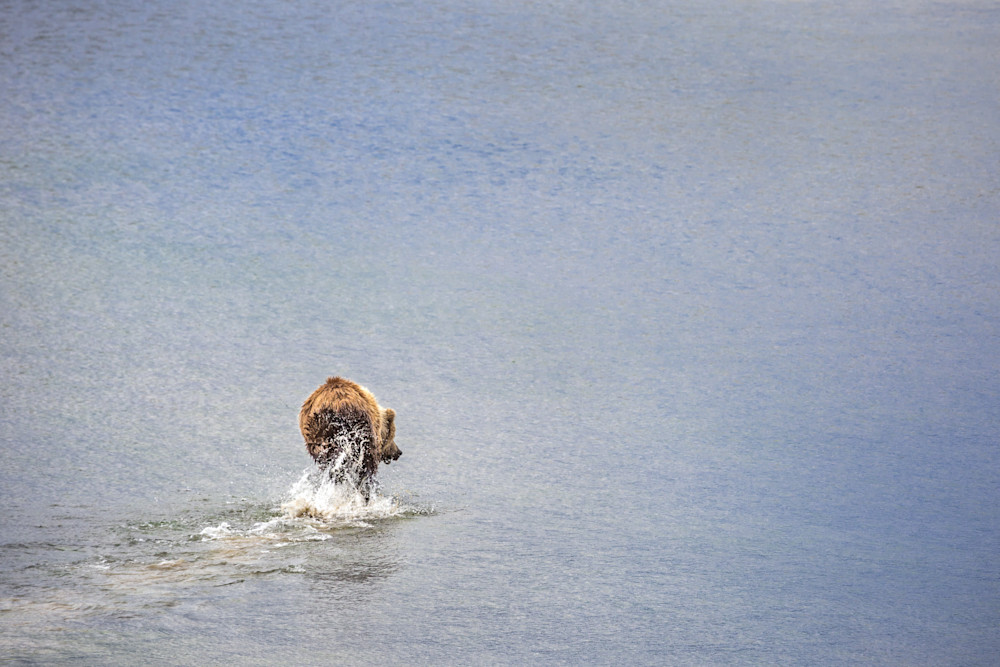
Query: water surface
[689, 313]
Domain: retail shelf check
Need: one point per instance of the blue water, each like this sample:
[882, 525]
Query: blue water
[689, 312]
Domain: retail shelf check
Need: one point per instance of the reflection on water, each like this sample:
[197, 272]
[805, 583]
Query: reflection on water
[163, 563]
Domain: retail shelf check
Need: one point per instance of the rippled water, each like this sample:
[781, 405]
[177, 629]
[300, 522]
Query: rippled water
[688, 311]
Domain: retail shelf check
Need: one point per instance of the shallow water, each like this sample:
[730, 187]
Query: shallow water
[688, 311]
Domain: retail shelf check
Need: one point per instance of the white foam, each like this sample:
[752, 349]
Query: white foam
[223, 530]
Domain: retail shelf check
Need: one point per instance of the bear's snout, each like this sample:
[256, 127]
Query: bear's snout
[391, 455]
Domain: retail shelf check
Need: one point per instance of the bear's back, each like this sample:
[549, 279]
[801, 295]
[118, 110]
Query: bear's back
[340, 397]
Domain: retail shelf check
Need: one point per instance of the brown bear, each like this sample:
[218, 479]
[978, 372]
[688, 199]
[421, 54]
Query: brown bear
[347, 433]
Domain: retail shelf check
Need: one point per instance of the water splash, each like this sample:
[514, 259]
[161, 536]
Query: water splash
[315, 495]
[315, 506]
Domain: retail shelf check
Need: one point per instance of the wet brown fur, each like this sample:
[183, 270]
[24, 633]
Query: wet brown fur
[348, 400]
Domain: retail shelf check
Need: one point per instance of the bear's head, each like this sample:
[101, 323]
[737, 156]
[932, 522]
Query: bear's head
[387, 436]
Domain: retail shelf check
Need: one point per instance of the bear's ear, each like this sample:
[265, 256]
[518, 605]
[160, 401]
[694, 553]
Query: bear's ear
[389, 423]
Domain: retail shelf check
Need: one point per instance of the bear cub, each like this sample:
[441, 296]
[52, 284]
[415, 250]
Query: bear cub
[347, 433]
